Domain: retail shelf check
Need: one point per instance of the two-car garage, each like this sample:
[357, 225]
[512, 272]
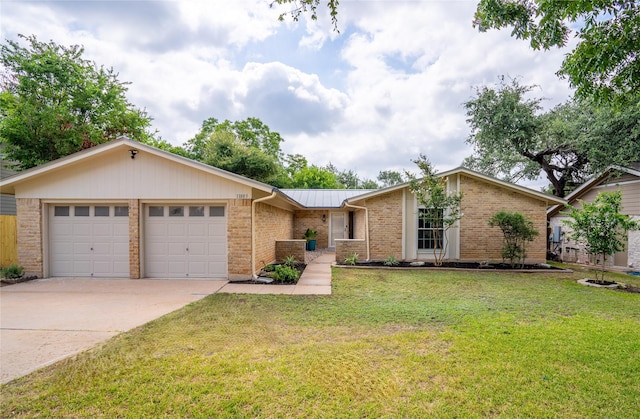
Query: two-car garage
[177, 240]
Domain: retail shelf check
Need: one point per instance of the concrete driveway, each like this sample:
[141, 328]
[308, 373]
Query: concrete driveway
[47, 320]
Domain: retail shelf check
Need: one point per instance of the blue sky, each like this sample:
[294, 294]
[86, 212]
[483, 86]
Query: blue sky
[389, 86]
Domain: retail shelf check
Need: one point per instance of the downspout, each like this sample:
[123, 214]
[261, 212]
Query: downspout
[253, 231]
[366, 224]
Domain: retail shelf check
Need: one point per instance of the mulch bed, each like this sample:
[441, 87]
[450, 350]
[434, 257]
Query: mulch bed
[458, 265]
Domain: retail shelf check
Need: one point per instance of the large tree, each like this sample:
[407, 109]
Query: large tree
[251, 132]
[605, 64]
[53, 103]
[514, 140]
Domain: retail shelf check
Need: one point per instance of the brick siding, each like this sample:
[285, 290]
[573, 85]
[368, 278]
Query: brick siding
[481, 200]
[239, 238]
[385, 225]
[134, 239]
[272, 224]
[286, 248]
[346, 247]
[312, 219]
[30, 235]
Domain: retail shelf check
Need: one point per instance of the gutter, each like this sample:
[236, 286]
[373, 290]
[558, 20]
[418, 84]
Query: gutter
[366, 224]
[253, 230]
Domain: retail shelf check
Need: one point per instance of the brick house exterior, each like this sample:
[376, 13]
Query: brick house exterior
[187, 219]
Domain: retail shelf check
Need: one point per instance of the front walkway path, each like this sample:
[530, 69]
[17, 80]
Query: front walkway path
[315, 280]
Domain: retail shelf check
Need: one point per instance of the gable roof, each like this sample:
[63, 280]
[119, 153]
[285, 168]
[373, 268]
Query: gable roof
[7, 185]
[591, 183]
[550, 199]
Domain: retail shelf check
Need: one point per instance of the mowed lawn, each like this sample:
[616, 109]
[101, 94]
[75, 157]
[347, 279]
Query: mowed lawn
[385, 344]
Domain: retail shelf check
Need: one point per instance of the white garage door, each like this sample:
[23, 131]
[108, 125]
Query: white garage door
[89, 240]
[185, 241]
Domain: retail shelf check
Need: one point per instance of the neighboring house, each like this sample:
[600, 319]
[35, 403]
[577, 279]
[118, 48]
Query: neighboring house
[624, 179]
[125, 209]
[7, 202]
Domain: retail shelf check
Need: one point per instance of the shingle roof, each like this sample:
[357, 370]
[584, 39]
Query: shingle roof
[322, 198]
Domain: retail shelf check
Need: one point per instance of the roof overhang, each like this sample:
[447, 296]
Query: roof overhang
[586, 187]
[7, 185]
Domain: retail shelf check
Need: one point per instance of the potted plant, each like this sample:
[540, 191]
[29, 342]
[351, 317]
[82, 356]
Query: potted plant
[310, 237]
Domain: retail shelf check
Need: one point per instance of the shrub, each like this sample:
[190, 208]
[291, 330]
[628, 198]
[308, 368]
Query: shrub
[286, 274]
[352, 259]
[391, 261]
[12, 272]
[517, 231]
[290, 261]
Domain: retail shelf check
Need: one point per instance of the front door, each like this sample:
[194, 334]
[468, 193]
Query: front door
[338, 227]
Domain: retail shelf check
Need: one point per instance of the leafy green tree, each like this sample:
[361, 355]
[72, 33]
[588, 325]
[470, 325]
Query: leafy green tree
[600, 226]
[315, 177]
[513, 140]
[224, 150]
[604, 65]
[54, 103]
[517, 230]
[390, 178]
[251, 132]
[442, 206]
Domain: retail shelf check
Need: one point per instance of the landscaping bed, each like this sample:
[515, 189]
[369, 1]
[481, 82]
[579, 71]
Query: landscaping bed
[455, 265]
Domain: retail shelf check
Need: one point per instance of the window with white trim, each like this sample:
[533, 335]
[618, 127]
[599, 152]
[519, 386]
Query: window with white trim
[430, 229]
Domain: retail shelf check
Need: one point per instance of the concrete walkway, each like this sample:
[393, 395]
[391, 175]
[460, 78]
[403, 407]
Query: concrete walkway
[315, 280]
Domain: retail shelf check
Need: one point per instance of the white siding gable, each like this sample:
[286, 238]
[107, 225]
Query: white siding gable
[113, 174]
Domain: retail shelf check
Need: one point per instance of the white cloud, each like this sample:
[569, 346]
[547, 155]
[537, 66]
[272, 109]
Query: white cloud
[400, 71]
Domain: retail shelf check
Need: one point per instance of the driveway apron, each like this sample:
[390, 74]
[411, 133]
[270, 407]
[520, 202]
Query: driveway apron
[44, 321]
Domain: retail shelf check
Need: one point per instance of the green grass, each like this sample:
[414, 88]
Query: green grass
[385, 344]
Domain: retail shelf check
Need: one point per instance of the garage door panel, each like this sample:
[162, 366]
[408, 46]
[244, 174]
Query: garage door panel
[81, 229]
[176, 230]
[196, 230]
[168, 238]
[177, 267]
[176, 249]
[88, 245]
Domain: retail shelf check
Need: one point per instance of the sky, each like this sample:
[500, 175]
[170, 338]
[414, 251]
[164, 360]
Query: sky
[389, 86]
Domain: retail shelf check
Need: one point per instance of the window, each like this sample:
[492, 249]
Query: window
[61, 211]
[156, 211]
[216, 211]
[196, 211]
[176, 211]
[81, 211]
[121, 211]
[430, 229]
[101, 211]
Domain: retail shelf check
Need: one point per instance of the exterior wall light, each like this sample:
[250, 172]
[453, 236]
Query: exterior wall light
[133, 153]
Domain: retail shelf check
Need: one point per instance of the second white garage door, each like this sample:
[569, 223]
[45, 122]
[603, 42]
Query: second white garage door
[185, 241]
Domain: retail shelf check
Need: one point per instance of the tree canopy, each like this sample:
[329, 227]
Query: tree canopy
[53, 103]
[604, 65]
[514, 140]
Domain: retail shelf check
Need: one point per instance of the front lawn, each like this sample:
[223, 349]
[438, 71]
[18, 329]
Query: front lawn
[385, 344]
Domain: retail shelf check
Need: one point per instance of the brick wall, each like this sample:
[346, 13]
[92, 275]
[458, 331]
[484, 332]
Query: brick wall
[134, 239]
[481, 200]
[30, 235]
[385, 225]
[239, 238]
[312, 219]
[285, 248]
[346, 247]
[272, 224]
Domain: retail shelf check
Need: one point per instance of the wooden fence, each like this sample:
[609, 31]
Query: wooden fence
[8, 240]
